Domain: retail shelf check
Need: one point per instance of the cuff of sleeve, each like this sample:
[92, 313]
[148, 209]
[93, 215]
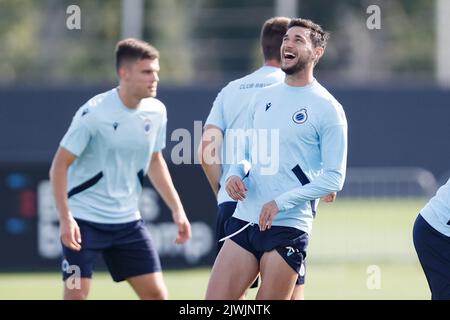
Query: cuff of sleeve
[215, 124]
[159, 149]
[234, 172]
[71, 150]
[279, 203]
[240, 170]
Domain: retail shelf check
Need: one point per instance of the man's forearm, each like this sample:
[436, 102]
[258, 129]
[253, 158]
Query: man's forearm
[58, 178]
[160, 177]
[326, 183]
[213, 173]
[209, 154]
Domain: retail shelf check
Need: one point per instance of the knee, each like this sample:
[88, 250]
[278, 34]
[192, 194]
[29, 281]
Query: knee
[77, 290]
[75, 295]
[159, 293]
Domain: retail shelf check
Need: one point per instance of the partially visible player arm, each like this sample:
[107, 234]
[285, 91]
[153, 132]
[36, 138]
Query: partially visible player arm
[72, 145]
[329, 198]
[160, 177]
[235, 186]
[70, 232]
[209, 155]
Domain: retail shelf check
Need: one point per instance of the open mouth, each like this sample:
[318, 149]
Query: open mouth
[289, 56]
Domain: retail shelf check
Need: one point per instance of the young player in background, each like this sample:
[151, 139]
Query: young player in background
[113, 142]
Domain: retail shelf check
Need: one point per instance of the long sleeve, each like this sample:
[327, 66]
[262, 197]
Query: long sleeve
[334, 159]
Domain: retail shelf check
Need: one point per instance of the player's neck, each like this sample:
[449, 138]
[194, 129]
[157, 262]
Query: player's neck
[127, 99]
[300, 79]
[272, 63]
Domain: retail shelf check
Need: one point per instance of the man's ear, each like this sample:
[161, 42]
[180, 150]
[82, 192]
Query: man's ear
[123, 72]
[319, 53]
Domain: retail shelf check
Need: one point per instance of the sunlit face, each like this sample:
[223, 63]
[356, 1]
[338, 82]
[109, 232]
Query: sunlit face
[297, 50]
[141, 78]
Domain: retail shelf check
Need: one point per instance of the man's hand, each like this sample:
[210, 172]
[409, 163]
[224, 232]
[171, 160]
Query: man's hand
[268, 212]
[70, 233]
[329, 198]
[236, 188]
[184, 227]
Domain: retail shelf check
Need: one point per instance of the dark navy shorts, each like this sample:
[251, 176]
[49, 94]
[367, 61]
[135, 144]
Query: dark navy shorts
[127, 249]
[433, 250]
[290, 243]
[224, 212]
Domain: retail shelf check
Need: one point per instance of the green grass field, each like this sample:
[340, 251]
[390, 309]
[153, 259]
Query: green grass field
[348, 237]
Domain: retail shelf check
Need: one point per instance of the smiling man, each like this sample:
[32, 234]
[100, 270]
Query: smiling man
[114, 141]
[270, 227]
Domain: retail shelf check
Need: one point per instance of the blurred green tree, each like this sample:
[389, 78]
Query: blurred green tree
[209, 41]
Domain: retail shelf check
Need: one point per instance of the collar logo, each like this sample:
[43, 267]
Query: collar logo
[300, 116]
[85, 112]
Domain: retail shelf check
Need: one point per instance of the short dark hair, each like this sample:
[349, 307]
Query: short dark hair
[272, 34]
[319, 37]
[130, 50]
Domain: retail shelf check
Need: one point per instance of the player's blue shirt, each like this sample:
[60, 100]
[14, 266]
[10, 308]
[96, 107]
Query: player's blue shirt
[303, 132]
[228, 112]
[113, 145]
[437, 211]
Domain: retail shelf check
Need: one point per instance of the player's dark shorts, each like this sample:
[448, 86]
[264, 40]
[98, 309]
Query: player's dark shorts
[433, 250]
[127, 249]
[290, 243]
[224, 212]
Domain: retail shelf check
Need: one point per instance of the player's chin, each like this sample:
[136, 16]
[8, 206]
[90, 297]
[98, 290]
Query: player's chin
[150, 93]
[288, 63]
[288, 67]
